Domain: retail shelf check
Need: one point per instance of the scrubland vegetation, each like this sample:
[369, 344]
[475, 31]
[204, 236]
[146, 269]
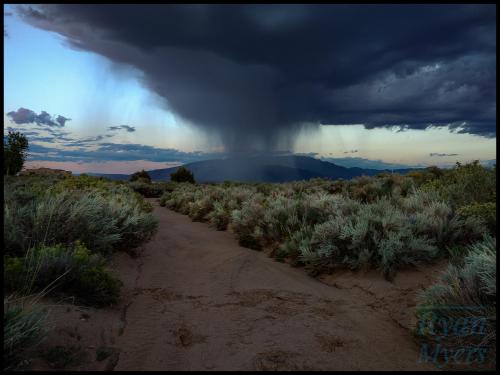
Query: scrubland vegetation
[389, 222]
[58, 233]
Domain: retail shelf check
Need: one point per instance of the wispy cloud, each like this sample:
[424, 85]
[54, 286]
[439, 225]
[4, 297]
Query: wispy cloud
[128, 128]
[438, 154]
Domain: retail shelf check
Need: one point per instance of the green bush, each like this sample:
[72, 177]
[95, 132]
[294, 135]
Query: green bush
[14, 152]
[182, 175]
[487, 212]
[147, 189]
[59, 269]
[465, 184]
[141, 176]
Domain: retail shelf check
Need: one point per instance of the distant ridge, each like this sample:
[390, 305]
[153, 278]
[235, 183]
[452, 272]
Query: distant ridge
[261, 169]
[111, 176]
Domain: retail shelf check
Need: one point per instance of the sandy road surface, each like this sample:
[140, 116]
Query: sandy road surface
[195, 300]
[198, 301]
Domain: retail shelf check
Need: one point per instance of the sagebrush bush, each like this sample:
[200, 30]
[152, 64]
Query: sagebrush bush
[219, 217]
[55, 228]
[387, 221]
[465, 293]
[102, 222]
[487, 212]
[60, 269]
[378, 234]
[247, 222]
[147, 188]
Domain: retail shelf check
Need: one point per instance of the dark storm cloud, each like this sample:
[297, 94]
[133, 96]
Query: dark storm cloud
[128, 128]
[27, 116]
[254, 73]
[441, 154]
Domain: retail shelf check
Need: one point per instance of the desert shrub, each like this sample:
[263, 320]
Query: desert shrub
[219, 217]
[296, 241]
[465, 185]
[247, 222]
[387, 234]
[464, 295]
[377, 234]
[199, 208]
[182, 175]
[102, 223]
[386, 221]
[141, 176]
[134, 225]
[487, 212]
[179, 199]
[68, 270]
[24, 190]
[147, 189]
[23, 328]
[163, 199]
[86, 183]
[280, 217]
[437, 220]
[169, 186]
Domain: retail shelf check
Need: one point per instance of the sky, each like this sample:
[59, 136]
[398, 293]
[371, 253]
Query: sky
[115, 89]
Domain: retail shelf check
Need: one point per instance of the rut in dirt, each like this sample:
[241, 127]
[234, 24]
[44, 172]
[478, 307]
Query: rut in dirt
[201, 302]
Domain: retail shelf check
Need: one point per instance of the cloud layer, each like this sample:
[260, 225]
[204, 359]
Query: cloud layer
[256, 73]
[128, 128]
[438, 154]
[27, 116]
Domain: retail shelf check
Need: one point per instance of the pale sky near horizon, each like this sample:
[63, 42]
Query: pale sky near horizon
[43, 73]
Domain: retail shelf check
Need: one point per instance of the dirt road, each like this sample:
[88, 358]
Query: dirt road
[195, 300]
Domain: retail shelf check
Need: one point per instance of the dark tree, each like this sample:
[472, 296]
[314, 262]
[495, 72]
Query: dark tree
[142, 176]
[182, 175]
[14, 152]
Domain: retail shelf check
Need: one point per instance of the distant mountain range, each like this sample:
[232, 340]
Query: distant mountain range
[261, 169]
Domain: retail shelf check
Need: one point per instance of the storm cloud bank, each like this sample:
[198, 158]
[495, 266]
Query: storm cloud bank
[256, 73]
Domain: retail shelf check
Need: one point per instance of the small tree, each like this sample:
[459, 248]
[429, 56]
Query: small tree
[182, 175]
[14, 152]
[141, 176]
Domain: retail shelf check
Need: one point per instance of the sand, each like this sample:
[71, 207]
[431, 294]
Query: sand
[193, 299]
